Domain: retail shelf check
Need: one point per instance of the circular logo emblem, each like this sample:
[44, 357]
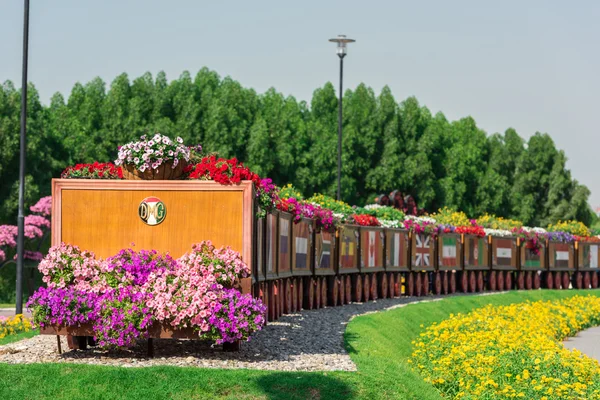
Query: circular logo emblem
[152, 211]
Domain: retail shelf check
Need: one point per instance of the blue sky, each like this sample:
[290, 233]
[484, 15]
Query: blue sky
[530, 65]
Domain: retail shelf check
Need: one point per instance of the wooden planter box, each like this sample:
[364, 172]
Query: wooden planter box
[347, 249]
[504, 253]
[284, 247]
[529, 261]
[104, 216]
[396, 249]
[561, 256]
[259, 274]
[422, 254]
[371, 249]
[271, 249]
[302, 247]
[325, 247]
[158, 330]
[476, 252]
[449, 249]
[587, 256]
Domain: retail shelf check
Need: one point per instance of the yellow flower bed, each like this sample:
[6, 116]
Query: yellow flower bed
[448, 216]
[492, 222]
[573, 227]
[13, 325]
[503, 352]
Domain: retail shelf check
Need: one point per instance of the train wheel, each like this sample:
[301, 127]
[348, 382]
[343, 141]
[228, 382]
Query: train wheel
[348, 290]
[472, 282]
[501, 280]
[480, 281]
[410, 284]
[278, 299]
[586, 280]
[464, 281]
[385, 286]
[418, 284]
[324, 292]
[437, 283]
[295, 294]
[445, 283]
[529, 280]
[578, 281]
[270, 301]
[508, 280]
[594, 280]
[334, 291]
[557, 280]
[366, 288]
[537, 280]
[452, 279]
[357, 288]
[392, 285]
[425, 283]
[549, 280]
[374, 283]
[318, 294]
[521, 280]
[309, 294]
[342, 292]
[288, 296]
[492, 282]
[566, 280]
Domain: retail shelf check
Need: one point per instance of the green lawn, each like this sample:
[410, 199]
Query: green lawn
[379, 344]
[17, 337]
[8, 305]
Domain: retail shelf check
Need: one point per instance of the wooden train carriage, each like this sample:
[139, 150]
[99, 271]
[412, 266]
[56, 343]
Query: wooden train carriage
[372, 240]
[422, 255]
[302, 247]
[476, 253]
[504, 253]
[259, 273]
[325, 246]
[397, 244]
[587, 265]
[284, 244]
[561, 256]
[529, 259]
[271, 245]
[347, 249]
[449, 249]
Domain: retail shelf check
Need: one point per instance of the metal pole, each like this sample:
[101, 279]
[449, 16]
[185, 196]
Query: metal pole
[339, 177]
[21, 218]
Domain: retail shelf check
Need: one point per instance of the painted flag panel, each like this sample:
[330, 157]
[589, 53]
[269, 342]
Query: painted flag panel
[503, 254]
[271, 242]
[476, 251]
[422, 251]
[590, 256]
[301, 233]
[323, 250]
[347, 249]
[561, 255]
[531, 259]
[449, 251]
[371, 247]
[395, 249]
[260, 228]
[284, 244]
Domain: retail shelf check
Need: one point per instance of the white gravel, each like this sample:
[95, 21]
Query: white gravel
[305, 341]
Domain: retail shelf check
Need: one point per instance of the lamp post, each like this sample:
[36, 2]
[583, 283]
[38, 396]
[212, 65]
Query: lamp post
[20, 217]
[341, 41]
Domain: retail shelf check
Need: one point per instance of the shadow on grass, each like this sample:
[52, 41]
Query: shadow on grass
[317, 385]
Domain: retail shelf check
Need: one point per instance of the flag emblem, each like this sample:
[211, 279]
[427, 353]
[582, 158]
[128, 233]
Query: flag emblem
[152, 211]
[449, 251]
[503, 254]
[590, 256]
[371, 247]
[561, 255]
[347, 249]
[271, 241]
[422, 247]
[284, 244]
[475, 251]
[395, 249]
[302, 234]
[323, 250]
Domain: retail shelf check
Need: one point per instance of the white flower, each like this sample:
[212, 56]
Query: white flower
[145, 157]
[171, 153]
[372, 206]
[179, 140]
[142, 167]
[498, 232]
[175, 162]
[165, 140]
[149, 151]
[136, 160]
[390, 223]
[419, 219]
[151, 143]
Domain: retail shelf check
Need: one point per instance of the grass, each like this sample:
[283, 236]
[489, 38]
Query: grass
[19, 336]
[8, 305]
[378, 343]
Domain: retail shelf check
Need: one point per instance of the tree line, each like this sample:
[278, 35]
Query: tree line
[387, 144]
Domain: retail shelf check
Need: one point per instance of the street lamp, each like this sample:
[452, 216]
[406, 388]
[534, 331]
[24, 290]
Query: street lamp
[20, 217]
[341, 41]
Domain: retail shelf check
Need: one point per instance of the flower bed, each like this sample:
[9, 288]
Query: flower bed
[511, 351]
[14, 325]
[124, 296]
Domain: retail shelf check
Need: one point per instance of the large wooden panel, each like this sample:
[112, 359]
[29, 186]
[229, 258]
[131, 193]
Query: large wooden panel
[588, 255]
[396, 250]
[561, 256]
[504, 253]
[371, 249]
[530, 260]
[102, 216]
[449, 252]
[422, 253]
[476, 253]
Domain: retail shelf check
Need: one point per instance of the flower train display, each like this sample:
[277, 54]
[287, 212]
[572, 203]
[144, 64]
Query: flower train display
[123, 296]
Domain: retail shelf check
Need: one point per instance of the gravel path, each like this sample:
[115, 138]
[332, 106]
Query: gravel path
[305, 341]
[588, 342]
